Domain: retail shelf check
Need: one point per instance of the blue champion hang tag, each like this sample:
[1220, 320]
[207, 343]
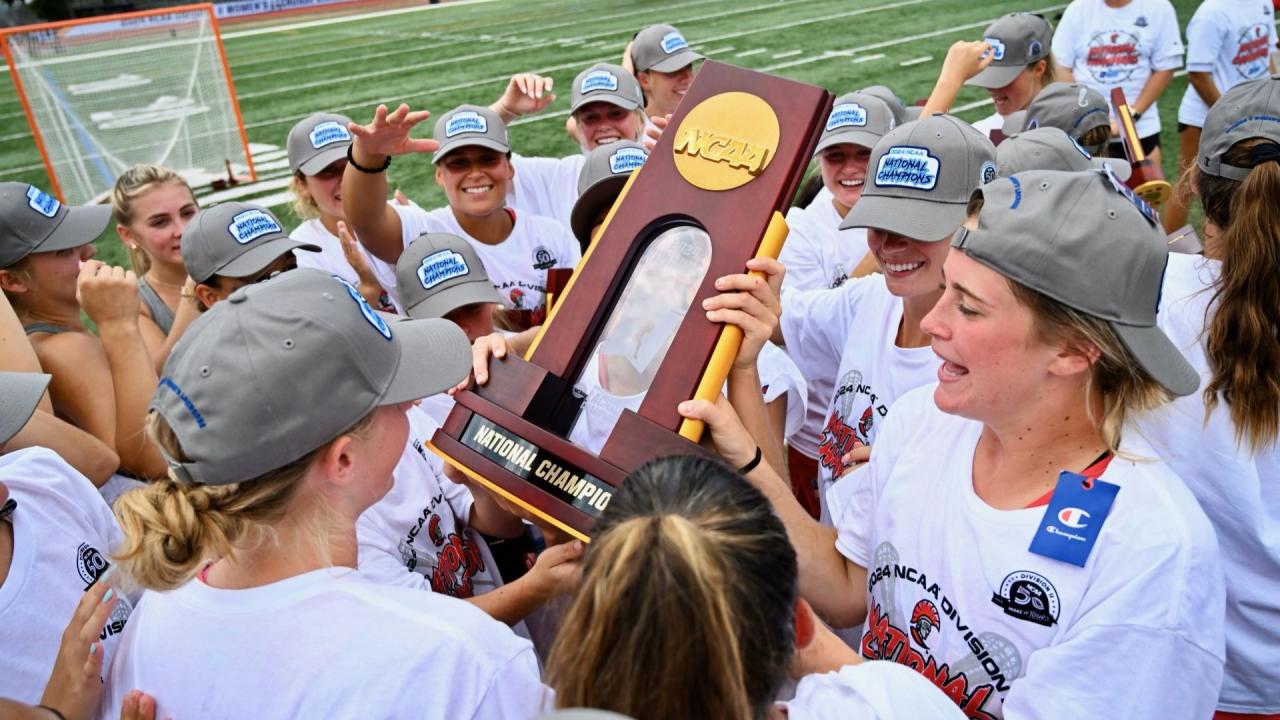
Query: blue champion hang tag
[1073, 520]
[1147, 211]
[847, 115]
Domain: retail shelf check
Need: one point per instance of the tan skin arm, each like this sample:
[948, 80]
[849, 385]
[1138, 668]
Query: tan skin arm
[556, 571]
[1204, 87]
[158, 344]
[90, 456]
[964, 60]
[80, 373]
[16, 352]
[1151, 92]
[364, 195]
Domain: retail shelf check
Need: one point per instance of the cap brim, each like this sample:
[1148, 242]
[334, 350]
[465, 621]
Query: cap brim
[923, 220]
[258, 258]
[1013, 124]
[434, 356]
[1120, 167]
[323, 160]
[483, 142]
[612, 99]
[81, 226]
[865, 138]
[681, 59]
[587, 208]
[1159, 356]
[995, 76]
[20, 394]
[439, 303]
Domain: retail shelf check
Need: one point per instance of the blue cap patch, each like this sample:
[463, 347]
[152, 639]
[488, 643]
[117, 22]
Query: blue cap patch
[997, 47]
[1147, 211]
[441, 266]
[847, 115]
[627, 160]
[909, 167]
[370, 316]
[42, 202]
[1079, 147]
[1035, 49]
[987, 173]
[328, 133]
[599, 80]
[466, 121]
[672, 42]
[250, 225]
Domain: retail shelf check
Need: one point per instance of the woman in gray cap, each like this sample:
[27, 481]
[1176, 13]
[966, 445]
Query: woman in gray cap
[1222, 311]
[283, 416]
[1013, 536]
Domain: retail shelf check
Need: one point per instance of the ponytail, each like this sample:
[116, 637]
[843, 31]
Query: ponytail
[1242, 346]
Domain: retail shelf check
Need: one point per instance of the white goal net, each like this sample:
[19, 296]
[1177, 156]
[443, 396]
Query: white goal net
[114, 91]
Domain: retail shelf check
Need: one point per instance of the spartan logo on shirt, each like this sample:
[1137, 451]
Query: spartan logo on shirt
[543, 259]
[838, 436]
[90, 564]
[456, 560]
[1028, 596]
[924, 620]
[1113, 56]
[1253, 54]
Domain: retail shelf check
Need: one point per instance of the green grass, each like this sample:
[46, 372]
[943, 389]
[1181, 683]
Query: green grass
[442, 57]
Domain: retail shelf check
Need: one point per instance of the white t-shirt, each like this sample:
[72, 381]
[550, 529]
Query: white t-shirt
[1236, 489]
[332, 260]
[954, 592]
[546, 186]
[817, 253]
[326, 643]
[437, 407]
[1232, 40]
[853, 330]
[1106, 47]
[63, 533]
[876, 690]
[517, 266]
[994, 121]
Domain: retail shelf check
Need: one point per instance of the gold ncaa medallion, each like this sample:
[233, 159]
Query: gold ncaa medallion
[726, 141]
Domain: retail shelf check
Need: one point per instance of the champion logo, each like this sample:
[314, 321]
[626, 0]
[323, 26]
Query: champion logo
[440, 267]
[250, 225]
[1073, 517]
[42, 202]
[847, 115]
[672, 42]
[598, 80]
[467, 121]
[328, 133]
[997, 48]
[627, 160]
[370, 316]
[908, 167]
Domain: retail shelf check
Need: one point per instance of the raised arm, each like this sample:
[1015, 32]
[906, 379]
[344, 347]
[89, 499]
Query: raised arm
[526, 93]
[964, 60]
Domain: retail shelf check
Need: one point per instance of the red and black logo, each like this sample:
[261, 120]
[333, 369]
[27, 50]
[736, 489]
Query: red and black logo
[924, 620]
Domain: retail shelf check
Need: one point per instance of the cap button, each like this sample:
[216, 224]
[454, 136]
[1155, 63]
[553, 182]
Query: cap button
[238, 296]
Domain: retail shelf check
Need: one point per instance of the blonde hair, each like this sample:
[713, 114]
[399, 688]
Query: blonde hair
[131, 185]
[304, 206]
[690, 584]
[173, 528]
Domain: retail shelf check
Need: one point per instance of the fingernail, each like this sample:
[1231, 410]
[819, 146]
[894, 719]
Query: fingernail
[577, 544]
[706, 302]
[110, 594]
[93, 649]
[686, 406]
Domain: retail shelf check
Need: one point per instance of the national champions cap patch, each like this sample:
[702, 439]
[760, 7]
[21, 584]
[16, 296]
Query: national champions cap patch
[908, 167]
[626, 160]
[672, 42]
[466, 121]
[370, 316]
[441, 266]
[250, 225]
[599, 80]
[997, 47]
[328, 133]
[42, 202]
[847, 115]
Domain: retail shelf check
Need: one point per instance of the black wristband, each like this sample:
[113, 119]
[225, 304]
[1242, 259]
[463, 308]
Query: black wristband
[372, 171]
[59, 715]
[754, 462]
[1137, 116]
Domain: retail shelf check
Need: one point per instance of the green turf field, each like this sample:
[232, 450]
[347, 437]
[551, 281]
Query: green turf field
[441, 56]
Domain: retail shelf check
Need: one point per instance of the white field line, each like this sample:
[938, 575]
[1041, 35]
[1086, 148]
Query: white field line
[915, 61]
[787, 54]
[720, 50]
[753, 51]
[813, 20]
[347, 18]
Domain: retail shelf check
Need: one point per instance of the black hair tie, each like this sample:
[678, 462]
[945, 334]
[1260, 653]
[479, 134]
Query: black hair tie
[1264, 152]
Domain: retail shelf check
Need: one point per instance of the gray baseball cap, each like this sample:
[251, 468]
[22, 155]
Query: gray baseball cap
[922, 175]
[603, 82]
[285, 366]
[1048, 148]
[1248, 110]
[236, 240]
[440, 272]
[1085, 240]
[317, 142]
[661, 48]
[35, 222]
[891, 99]
[1070, 107]
[600, 181]
[20, 393]
[859, 118]
[1017, 40]
[470, 125]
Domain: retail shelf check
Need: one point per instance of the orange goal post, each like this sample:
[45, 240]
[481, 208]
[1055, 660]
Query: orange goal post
[102, 94]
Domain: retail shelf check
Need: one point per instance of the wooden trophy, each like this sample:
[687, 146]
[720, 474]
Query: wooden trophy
[595, 397]
[1185, 240]
[1146, 179]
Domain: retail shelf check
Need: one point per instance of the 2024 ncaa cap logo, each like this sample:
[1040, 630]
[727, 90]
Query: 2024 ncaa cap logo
[328, 133]
[250, 225]
[908, 167]
[599, 80]
[672, 42]
[466, 121]
[441, 266]
[626, 160]
[42, 202]
[847, 115]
